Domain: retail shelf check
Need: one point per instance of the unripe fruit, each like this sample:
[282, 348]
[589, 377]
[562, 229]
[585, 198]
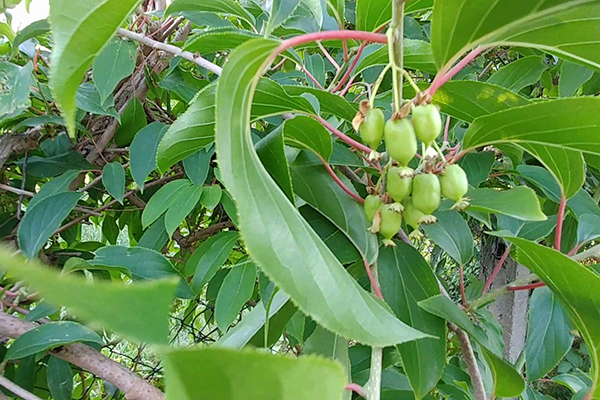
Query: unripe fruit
[372, 204]
[400, 140]
[411, 214]
[454, 184]
[426, 196]
[427, 123]
[391, 223]
[371, 128]
[399, 182]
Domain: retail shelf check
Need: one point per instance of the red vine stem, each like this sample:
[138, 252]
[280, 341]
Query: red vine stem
[356, 388]
[444, 77]
[339, 182]
[374, 283]
[329, 35]
[341, 135]
[488, 284]
[526, 287]
[351, 67]
[328, 56]
[559, 221]
[463, 294]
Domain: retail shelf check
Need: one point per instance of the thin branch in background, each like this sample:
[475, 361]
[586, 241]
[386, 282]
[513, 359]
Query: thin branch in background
[503, 258]
[559, 222]
[23, 180]
[310, 76]
[526, 287]
[328, 56]
[463, 294]
[356, 388]
[446, 129]
[441, 78]
[16, 389]
[351, 67]
[470, 360]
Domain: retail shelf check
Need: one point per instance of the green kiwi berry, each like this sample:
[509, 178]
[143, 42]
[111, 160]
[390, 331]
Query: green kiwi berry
[400, 140]
[391, 223]
[399, 182]
[454, 185]
[372, 204]
[427, 123]
[371, 128]
[426, 196]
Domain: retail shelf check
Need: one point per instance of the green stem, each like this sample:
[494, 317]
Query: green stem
[373, 388]
[396, 49]
[493, 295]
[377, 84]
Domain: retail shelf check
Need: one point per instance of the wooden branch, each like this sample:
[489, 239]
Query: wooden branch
[16, 389]
[18, 143]
[204, 233]
[469, 356]
[133, 386]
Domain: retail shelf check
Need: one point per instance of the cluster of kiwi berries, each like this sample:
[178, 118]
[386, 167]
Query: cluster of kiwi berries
[409, 195]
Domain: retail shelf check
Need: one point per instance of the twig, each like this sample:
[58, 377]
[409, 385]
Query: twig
[559, 221]
[328, 56]
[494, 294]
[463, 294]
[526, 287]
[341, 135]
[16, 389]
[470, 360]
[196, 59]
[339, 182]
[132, 385]
[351, 67]
[356, 388]
[31, 194]
[488, 284]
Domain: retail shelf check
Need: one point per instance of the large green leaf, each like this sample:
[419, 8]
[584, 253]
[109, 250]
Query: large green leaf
[548, 334]
[117, 306]
[182, 205]
[306, 133]
[554, 131]
[507, 381]
[467, 100]
[280, 241]
[235, 291]
[271, 151]
[80, 30]
[222, 374]
[565, 28]
[54, 186]
[142, 263]
[575, 287]
[519, 202]
[572, 76]
[372, 14]
[317, 188]
[115, 63]
[35, 29]
[14, 98]
[452, 233]
[41, 221]
[163, 199]
[281, 11]
[406, 278]
[228, 7]
[60, 379]
[142, 152]
[195, 129]
[49, 336]
[518, 74]
[209, 257]
[113, 179]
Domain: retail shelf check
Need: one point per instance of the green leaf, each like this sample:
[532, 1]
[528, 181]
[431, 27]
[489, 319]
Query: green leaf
[548, 334]
[44, 167]
[467, 100]
[572, 76]
[41, 221]
[143, 264]
[582, 203]
[478, 166]
[183, 84]
[155, 236]
[588, 228]
[541, 178]
[142, 152]
[14, 98]
[182, 204]
[315, 8]
[197, 165]
[235, 291]
[271, 151]
[115, 305]
[417, 56]
[7, 32]
[209, 257]
[227, 7]
[372, 14]
[216, 40]
[132, 121]
[519, 202]
[406, 278]
[211, 196]
[518, 74]
[558, 27]
[453, 235]
[115, 63]
[50, 336]
[54, 186]
[60, 379]
[542, 131]
[113, 179]
[79, 33]
[35, 29]
[317, 188]
[507, 381]
[279, 240]
[88, 99]
[162, 200]
[250, 326]
[222, 374]
[573, 285]
[281, 11]
[329, 102]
